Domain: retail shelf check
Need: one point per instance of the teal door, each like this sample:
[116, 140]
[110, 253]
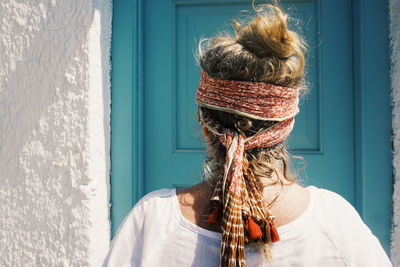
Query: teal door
[332, 131]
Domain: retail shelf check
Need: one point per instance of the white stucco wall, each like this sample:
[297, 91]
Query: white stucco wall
[54, 132]
[394, 6]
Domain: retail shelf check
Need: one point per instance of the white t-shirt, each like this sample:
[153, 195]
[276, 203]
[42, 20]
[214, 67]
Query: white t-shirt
[330, 233]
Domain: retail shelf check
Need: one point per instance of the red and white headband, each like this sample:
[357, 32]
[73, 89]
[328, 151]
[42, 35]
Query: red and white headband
[257, 100]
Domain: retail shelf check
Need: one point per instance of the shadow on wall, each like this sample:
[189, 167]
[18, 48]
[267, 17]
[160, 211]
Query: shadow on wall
[44, 132]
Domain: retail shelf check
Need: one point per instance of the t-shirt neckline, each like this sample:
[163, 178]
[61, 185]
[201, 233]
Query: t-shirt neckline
[283, 230]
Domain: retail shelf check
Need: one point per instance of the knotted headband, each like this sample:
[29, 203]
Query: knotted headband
[237, 199]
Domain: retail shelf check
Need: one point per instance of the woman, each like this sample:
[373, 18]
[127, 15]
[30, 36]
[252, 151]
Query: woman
[250, 209]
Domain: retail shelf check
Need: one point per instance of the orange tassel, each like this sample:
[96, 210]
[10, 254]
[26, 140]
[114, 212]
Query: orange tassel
[213, 218]
[274, 232]
[253, 229]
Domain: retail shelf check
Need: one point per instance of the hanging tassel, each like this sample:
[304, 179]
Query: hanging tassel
[253, 229]
[213, 218]
[274, 232]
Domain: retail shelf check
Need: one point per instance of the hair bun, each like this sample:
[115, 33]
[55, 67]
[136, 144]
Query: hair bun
[267, 35]
[264, 49]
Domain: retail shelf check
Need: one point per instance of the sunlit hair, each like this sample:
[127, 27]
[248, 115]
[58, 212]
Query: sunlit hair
[263, 49]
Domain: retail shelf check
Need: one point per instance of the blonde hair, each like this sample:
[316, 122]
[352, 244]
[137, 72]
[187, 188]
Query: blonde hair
[264, 49]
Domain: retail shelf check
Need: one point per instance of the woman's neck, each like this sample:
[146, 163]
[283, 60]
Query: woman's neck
[281, 199]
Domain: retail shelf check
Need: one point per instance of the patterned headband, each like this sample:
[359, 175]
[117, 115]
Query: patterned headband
[257, 100]
[238, 199]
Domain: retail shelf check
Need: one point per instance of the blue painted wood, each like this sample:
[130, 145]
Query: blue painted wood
[374, 176]
[121, 116]
[126, 116]
[349, 78]
[137, 100]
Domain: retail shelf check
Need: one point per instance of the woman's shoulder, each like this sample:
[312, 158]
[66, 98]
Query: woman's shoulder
[149, 205]
[156, 195]
[332, 202]
[142, 222]
[334, 211]
[325, 193]
[157, 199]
[344, 226]
[338, 217]
[149, 208]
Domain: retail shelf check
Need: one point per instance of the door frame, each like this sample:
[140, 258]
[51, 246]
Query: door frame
[373, 131]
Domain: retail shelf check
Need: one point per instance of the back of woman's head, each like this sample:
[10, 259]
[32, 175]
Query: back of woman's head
[265, 50]
[263, 63]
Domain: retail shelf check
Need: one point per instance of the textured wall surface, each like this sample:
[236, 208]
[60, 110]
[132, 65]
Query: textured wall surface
[395, 77]
[54, 132]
